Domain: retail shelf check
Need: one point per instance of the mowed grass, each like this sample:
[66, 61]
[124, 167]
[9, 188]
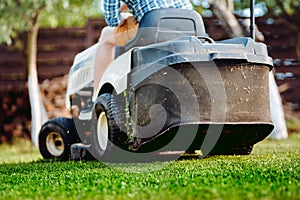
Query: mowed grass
[272, 171]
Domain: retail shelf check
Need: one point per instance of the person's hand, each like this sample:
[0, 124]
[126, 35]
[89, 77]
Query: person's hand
[125, 16]
[126, 30]
[123, 8]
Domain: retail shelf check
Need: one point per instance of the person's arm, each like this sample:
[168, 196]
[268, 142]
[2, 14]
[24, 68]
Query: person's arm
[112, 12]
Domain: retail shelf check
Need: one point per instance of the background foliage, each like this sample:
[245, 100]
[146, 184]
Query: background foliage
[17, 15]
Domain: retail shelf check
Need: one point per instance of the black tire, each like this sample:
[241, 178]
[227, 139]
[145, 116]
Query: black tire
[107, 138]
[56, 137]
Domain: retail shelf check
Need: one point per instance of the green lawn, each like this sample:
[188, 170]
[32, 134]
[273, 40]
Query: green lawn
[272, 171]
[22, 151]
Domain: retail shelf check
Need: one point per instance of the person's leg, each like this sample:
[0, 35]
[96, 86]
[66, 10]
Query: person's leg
[111, 37]
[105, 54]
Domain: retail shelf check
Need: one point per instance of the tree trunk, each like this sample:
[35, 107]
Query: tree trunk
[38, 114]
[229, 21]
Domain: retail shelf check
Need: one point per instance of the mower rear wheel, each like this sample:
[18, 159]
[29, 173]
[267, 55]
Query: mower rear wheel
[106, 134]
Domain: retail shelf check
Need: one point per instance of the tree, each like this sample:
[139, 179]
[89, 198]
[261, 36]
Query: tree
[18, 16]
[224, 11]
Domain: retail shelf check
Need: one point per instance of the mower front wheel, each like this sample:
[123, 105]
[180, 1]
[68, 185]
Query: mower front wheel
[56, 137]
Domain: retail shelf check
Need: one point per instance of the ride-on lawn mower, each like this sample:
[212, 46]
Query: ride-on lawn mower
[170, 89]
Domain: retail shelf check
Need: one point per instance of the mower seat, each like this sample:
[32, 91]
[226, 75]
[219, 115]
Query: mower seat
[166, 24]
